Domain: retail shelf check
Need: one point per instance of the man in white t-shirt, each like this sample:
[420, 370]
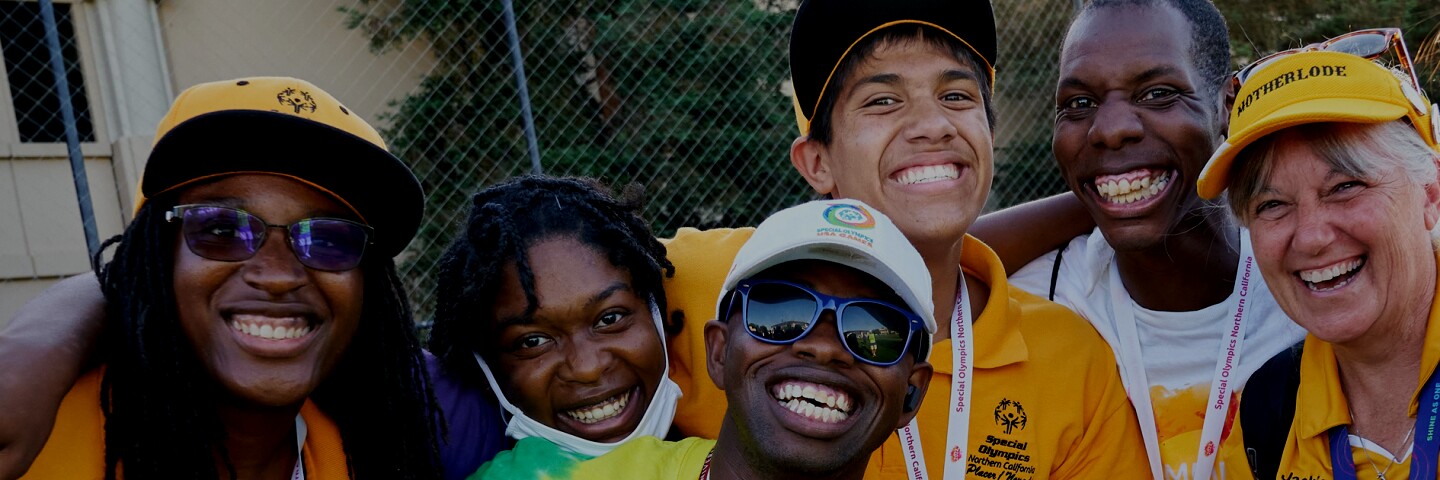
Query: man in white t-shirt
[1166, 278]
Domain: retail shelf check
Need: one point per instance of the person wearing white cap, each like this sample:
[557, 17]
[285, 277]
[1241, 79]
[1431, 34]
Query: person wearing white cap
[820, 344]
[893, 104]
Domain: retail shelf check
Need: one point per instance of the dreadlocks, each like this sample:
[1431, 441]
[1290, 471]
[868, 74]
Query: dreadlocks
[158, 400]
[505, 221]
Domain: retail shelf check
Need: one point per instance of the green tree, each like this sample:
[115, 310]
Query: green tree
[1261, 27]
[682, 96]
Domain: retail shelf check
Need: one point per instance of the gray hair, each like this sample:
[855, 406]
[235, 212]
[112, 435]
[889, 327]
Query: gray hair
[1359, 150]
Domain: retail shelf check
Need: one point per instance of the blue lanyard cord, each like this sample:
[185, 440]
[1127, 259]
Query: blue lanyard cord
[1427, 438]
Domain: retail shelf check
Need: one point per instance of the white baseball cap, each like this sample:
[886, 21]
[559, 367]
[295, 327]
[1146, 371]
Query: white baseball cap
[847, 232]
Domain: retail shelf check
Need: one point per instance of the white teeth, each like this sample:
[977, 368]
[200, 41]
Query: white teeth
[605, 410]
[1125, 191]
[929, 173]
[1326, 274]
[270, 328]
[813, 401]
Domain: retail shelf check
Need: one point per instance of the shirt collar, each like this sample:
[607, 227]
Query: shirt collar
[998, 341]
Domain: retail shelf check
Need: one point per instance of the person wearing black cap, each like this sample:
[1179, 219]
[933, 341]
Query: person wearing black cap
[257, 324]
[893, 104]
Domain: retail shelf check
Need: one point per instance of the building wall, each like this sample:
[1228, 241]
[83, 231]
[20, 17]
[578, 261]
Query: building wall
[137, 54]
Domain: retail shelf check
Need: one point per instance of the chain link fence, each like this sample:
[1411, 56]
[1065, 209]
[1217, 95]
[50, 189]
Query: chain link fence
[689, 98]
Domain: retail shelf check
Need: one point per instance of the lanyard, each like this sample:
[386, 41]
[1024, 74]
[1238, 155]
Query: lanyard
[1217, 406]
[957, 438]
[301, 430]
[1427, 438]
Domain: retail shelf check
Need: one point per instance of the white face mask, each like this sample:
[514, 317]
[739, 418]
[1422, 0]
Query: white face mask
[655, 423]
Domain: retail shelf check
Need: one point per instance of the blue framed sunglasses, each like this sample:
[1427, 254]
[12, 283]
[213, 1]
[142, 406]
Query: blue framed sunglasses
[781, 313]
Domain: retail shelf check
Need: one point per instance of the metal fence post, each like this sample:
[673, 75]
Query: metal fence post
[72, 136]
[513, 36]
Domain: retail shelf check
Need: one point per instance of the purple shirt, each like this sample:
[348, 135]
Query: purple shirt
[476, 432]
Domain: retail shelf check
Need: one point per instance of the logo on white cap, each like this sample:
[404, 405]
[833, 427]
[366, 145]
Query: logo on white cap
[847, 215]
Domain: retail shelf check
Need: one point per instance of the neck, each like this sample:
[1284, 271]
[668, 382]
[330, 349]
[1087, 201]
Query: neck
[943, 262]
[1197, 259]
[735, 460]
[260, 442]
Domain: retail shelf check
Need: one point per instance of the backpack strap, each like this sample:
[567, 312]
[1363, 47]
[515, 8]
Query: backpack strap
[1055, 269]
[1267, 408]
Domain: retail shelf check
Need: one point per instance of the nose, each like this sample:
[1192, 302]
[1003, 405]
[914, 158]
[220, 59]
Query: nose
[274, 268]
[822, 345]
[586, 361]
[1116, 124]
[1313, 231]
[927, 122]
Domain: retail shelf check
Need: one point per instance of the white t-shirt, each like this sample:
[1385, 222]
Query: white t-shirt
[1178, 349]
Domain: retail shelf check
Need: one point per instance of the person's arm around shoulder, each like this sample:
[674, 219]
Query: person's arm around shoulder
[43, 350]
[1025, 232]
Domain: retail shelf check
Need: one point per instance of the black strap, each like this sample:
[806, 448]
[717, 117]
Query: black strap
[1267, 408]
[1055, 270]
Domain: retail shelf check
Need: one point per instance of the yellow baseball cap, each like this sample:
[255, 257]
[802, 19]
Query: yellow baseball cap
[1315, 87]
[288, 127]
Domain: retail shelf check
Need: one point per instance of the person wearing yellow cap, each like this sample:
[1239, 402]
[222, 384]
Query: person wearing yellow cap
[257, 327]
[893, 101]
[1331, 162]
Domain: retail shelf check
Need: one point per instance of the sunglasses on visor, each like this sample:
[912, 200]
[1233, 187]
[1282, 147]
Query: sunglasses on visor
[781, 313]
[1368, 44]
[232, 235]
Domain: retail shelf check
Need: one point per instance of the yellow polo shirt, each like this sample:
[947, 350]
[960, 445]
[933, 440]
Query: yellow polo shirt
[76, 448]
[1321, 405]
[1034, 359]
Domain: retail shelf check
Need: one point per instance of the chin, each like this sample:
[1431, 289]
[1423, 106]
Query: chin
[1132, 235]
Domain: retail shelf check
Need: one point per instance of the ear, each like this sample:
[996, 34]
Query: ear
[715, 343]
[1226, 100]
[1432, 198]
[919, 379]
[808, 157]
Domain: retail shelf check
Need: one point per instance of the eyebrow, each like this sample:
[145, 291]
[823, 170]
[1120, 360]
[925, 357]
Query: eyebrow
[239, 203]
[1330, 175]
[880, 78]
[503, 323]
[953, 75]
[1142, 77]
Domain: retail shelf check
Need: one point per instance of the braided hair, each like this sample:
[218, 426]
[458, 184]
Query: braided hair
[508, 218]
[158, 400]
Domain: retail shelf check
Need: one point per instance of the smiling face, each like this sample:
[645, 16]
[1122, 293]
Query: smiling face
[911, 138]
[589, 359]
[1134, 122]
[810, 406]
[230, 311]
[1346, 257]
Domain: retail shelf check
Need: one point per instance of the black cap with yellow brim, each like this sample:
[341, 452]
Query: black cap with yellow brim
[291, 128]
[826, 30]
[1314, 87]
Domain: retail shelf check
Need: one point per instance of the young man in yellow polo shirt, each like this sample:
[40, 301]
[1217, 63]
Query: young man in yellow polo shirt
[893, 103]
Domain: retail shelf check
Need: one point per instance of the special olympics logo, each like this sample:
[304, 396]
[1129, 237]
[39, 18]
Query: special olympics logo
[1209, 448]
[299, 100]
[847, 215]
[1011, 415]
[955, 454]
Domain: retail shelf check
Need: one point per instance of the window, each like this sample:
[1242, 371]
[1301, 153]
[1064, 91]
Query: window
[27, 68]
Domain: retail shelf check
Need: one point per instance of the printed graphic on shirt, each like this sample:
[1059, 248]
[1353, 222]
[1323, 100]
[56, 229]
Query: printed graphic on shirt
[1179, 417]
[1005, 454]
